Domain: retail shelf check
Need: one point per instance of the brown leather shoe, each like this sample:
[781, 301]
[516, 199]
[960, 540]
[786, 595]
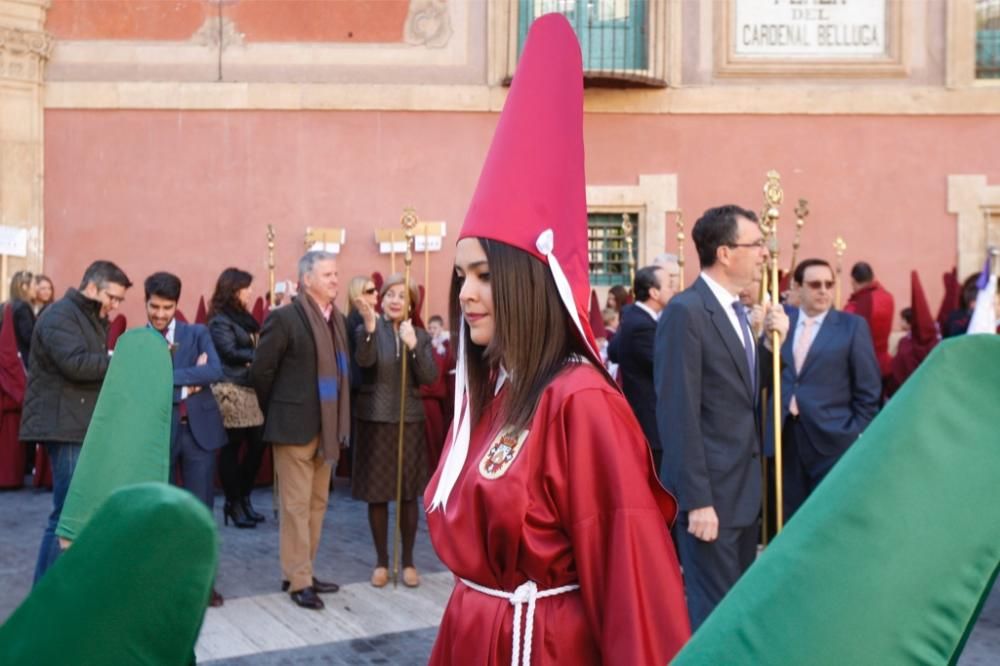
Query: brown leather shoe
[307, 598]
[215, 599]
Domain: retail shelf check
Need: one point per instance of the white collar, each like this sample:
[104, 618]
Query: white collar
[723, 295]
[817, 320]
[652, 313]
[171, 329]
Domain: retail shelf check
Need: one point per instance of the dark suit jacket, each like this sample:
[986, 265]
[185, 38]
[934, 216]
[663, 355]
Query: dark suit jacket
[283, 374]
[378, 394]
[839, 387]
[204, 418]
[632, 349]
[706, 410]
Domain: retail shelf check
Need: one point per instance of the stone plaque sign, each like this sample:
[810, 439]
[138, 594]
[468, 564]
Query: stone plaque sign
[810, 29]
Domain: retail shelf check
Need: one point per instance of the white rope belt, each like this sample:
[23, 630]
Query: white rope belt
[526, 593]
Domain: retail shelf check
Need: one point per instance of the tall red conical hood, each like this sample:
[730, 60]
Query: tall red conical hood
[201, 316]
[258, 310]
[924, 332]
[532, 189]
[597, 317]
[914, 348]
[532, 195]
[949, 302]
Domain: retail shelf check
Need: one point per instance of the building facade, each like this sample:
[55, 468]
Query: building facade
[168, 134]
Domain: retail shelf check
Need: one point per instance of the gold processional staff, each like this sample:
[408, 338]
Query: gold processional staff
[409, 222]
[627, 228]
[680, 250]
[773, 196]
[839, 247]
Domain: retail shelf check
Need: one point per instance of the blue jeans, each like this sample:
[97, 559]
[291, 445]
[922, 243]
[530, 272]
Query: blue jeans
[63, 456]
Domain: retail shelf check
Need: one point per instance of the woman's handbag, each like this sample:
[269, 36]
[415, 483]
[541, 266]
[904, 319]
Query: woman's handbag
[238, 405]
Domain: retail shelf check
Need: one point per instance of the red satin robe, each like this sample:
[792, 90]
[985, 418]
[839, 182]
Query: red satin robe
[579, 503]
[876, 305]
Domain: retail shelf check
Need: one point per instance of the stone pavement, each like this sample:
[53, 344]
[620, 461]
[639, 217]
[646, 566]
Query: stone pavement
[258, 625]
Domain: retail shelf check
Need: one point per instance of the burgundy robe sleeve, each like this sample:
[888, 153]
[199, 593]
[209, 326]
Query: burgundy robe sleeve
[629, 577]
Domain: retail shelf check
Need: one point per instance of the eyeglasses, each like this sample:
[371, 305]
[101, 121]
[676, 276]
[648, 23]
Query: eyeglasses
[759, 244]
[115, 300]
[371, 291]
[816, 284]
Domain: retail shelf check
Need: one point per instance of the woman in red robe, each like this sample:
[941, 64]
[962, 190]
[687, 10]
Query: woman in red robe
[546, 505]
[12, 382]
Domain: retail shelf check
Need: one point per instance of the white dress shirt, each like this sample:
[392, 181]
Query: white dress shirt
[726, 300]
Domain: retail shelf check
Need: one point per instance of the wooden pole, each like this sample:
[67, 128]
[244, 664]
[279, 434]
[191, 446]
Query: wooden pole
[409, 221]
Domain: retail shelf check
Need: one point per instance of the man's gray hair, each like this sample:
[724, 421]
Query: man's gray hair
[310, 259]
[665, 259]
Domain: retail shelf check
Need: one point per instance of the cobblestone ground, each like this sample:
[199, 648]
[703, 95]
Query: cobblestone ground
[249, 568]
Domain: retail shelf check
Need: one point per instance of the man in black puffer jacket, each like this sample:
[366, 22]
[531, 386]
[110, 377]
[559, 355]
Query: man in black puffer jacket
[69, 358]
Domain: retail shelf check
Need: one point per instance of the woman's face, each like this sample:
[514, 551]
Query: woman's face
[612, 302]
[370, 294]
[43, 291]
[476, 294]
[244, 295]
[394, 303]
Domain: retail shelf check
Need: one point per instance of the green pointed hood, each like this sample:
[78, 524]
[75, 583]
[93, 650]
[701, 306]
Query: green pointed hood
[128, 440]
[889, 560]
[131, 590]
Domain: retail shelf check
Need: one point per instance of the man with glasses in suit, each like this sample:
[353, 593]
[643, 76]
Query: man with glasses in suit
[707, 375]
[831, 384]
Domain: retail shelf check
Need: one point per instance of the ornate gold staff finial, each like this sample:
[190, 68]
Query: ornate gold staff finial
[409, 223]
[839, 247]
[680, 247]
[801, 213]
[627, 228]
[270, 262]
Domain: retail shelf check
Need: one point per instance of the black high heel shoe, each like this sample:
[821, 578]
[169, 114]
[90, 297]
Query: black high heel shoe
[235, 511]
[249, 512]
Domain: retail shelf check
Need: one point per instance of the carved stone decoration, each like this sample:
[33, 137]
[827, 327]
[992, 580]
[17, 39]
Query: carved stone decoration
[218, 32]
[428, 23]
[23, 54]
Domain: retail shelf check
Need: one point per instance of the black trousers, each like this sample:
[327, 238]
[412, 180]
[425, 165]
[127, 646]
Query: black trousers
[804, 467]
[237, 475]
[712, 568]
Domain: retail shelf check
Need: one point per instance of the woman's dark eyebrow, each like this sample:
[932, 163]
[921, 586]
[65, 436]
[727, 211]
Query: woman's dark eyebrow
[475, 265]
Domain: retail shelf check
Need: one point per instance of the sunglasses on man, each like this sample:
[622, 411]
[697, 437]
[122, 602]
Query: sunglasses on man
[816, 284]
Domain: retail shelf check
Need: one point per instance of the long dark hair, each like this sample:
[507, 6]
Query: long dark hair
[227, 287]
[533, 335]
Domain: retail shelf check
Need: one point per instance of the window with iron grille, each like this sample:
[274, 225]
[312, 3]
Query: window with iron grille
[988, 39]
[608, 249]
[613, 34]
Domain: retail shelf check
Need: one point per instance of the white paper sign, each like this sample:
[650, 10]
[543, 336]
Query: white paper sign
[810, 28]
[422, 243]
[389, 248]
[14, 241]
[332, 248]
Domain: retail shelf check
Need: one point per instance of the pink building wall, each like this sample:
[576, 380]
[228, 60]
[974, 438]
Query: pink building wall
[193, 191]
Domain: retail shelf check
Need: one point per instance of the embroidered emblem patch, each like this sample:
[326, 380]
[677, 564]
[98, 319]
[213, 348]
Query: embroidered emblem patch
[501, 454]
